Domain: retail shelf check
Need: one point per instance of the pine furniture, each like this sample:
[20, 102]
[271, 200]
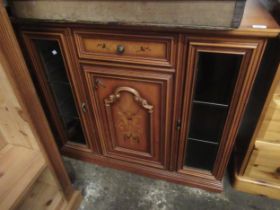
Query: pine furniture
[30, 177]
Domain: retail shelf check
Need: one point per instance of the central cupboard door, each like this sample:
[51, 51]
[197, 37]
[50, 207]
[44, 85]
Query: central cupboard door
[132, 110]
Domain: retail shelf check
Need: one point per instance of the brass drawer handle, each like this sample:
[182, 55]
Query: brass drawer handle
[120, 49]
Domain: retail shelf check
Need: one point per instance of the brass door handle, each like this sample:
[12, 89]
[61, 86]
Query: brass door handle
[84, 107]
[178, 124]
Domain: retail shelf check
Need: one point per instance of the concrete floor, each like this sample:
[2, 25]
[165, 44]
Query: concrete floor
[110, 189]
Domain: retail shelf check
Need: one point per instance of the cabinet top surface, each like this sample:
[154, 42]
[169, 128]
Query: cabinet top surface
[256, 15]
[256, 21]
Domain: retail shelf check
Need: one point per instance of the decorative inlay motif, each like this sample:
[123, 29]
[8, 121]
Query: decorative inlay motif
[144, 49]
[129, 122]
[102, 46]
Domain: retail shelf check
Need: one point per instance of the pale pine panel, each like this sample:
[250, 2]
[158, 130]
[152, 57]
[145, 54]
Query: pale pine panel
[264, 163]
[270, 127]
[3, 143]
[14, 126]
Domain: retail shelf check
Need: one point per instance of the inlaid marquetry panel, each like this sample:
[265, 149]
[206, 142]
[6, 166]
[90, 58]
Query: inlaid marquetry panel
[132, 112]
[130, 118]
[132, 48]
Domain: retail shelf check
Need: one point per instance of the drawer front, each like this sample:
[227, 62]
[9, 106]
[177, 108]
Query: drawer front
[133, 113]
[130, 48]
[269, 130]
[264, 164]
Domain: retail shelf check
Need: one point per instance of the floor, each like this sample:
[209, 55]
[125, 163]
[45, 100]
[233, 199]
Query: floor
[110, 189]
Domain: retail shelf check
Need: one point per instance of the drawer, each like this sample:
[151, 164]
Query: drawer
[130, 48]
[264, 164]
[269, 130]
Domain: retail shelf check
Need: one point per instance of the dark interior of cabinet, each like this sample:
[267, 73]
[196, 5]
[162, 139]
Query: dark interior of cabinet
[257, 99]
[56, 77]
[216, 75]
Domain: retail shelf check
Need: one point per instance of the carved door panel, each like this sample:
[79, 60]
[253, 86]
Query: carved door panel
[132, 111]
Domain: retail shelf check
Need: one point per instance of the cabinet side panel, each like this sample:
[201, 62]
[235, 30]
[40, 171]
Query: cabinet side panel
[33, 113]
[14, 127]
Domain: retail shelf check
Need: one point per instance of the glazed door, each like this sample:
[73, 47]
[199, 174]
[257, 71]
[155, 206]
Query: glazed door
[63, 101]
[219, 78]
[132, 111]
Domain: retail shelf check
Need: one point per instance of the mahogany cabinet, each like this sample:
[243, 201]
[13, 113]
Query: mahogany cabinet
[166, 104]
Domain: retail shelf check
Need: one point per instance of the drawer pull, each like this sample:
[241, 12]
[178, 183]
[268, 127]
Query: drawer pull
[120, 49]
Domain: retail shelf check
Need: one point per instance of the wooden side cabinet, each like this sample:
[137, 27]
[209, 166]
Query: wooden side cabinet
[32, 174]
[165, 104]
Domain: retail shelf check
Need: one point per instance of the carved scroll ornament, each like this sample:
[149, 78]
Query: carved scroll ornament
[117, 94]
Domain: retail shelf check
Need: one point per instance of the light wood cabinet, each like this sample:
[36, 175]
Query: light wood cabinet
[258, 171]
[26, 166]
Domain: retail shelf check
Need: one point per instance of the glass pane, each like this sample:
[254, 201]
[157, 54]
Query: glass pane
[74, 129]
[200, 154]
[207, 122]
[56, 76]
[64, 99]
[215, 80]
[216, 76]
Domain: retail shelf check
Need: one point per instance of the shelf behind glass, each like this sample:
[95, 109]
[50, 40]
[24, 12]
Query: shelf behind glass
[200, 154]
[207, 122]
[216, 76]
